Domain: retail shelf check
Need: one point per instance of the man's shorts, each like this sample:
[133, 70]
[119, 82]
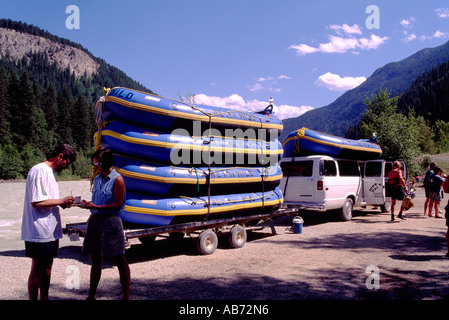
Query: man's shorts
[435, 196]
[44, 251]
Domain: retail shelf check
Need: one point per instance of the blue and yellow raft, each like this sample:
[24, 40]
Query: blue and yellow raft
[166, 114]
[305, 142]
[160, 179]
[163, 211]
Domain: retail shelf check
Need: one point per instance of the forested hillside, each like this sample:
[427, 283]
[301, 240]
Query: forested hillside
[42, 105]
[429, 95]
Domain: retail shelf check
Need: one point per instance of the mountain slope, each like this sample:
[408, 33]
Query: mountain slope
[23, 44]
[396, 77]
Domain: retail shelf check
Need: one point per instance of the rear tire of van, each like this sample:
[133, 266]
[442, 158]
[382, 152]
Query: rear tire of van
[386, 207]
[345, 213]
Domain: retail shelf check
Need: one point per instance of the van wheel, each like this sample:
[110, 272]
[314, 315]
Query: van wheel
[347, 209]
[386, 207]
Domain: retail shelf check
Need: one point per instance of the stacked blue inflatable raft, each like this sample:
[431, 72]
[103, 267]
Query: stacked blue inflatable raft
[184, 162]
[304, 142]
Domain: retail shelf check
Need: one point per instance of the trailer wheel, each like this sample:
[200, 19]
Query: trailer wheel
[346, 211]
[237, 237]
[207, 242]
[147, 240]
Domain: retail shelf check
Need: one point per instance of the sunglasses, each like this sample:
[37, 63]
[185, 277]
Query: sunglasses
[97, 164]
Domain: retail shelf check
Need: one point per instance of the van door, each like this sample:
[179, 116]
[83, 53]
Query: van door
[297, 183]
[374, 182]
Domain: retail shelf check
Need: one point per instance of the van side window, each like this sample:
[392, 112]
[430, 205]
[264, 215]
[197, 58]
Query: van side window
[373, 169]
[348, 168]
[328, 168]
[297, 168]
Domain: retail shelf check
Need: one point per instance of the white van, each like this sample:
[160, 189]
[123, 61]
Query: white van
[325, 183]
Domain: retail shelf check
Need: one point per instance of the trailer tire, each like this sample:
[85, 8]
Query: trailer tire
[347, 209]
[147, 240]
[237, 237]
[207, 242]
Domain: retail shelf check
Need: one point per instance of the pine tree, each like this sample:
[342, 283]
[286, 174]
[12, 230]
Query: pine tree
[65, 107]
[4, 104]
[81, 124]
[50, 108]
[23, 122]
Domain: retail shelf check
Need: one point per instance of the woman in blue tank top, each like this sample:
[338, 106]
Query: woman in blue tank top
[104, 233]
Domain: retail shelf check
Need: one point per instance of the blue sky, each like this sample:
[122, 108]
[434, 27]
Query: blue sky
[239, 53]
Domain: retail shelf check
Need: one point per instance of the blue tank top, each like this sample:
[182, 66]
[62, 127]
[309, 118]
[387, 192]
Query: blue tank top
[103, 192]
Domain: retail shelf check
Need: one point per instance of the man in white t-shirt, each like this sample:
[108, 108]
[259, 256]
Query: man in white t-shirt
[41, 222]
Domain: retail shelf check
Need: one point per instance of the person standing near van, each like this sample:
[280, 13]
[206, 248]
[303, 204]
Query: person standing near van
[435, 191]
[104, 234]
[398, 187]
[426, 184]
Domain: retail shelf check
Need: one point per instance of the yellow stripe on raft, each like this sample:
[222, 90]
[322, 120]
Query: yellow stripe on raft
[193, 117]
[177, 145]
[147, 177]
[158, 212]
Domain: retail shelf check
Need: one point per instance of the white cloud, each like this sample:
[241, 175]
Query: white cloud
[410, 37]
[354, 29]
[286, 111]
[442, 12]
[342, 44]
[255, 87]
[303, 49]
[407, 23]
[338, 45]
[269, 83]
[372, 43]
[336, 83]
[236, 102]
[437, 34]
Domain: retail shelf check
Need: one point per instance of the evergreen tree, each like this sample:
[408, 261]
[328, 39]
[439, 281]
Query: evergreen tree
[23, 122]
[50, 108]
[4, 104]
[65, 107]
[81, 124]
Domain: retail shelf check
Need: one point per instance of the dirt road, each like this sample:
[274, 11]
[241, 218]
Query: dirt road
[369, 257]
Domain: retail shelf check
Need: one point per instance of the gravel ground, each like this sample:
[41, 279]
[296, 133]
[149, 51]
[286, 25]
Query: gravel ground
[329, 260]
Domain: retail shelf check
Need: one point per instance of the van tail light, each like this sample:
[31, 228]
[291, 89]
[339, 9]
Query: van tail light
[319, 185]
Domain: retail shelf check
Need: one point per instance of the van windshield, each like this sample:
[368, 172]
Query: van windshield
[297, 168]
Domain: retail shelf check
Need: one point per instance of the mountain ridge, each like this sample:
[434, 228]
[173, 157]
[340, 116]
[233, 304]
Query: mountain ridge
[345, 111]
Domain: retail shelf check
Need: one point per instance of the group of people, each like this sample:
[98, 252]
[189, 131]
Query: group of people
[41, 223]
[42, 229]
[433, 188]
[433, 181]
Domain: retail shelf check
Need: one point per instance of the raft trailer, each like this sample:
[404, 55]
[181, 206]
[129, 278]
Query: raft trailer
[204, 232]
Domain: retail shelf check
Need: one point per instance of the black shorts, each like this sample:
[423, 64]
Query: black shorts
[44, 251]
[397, 193]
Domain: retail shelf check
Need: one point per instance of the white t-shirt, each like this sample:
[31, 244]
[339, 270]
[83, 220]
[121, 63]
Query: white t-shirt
[41, 224]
